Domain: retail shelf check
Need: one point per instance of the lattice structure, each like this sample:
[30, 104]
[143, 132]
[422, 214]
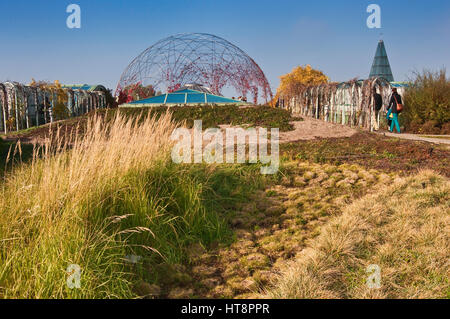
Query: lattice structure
[196, 58]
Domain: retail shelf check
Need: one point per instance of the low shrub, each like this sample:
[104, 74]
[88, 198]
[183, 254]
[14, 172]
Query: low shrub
[427, 103]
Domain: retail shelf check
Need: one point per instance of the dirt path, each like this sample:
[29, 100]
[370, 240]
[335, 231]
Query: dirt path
[306, 130]
[437, 139]
[310, 129]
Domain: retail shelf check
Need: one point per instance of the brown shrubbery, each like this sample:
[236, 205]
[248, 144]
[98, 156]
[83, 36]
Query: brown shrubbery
[427, 103]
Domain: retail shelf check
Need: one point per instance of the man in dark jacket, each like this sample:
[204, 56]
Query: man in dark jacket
[392, 109]
[378, 103]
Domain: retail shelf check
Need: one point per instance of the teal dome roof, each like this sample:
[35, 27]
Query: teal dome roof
[183, 97]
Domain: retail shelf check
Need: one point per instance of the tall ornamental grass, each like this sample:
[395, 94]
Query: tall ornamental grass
[93, 199]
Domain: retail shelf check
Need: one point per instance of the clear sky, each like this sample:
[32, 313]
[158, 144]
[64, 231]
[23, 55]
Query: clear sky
[279, 35]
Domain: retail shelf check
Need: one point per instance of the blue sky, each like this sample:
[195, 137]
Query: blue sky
[279, 35]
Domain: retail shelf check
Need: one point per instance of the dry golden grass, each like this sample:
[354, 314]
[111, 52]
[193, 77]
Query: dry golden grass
[106, 151]
[51, 210]
[404, 229]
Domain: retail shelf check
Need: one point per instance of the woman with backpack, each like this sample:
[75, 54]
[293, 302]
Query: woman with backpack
[394, 108]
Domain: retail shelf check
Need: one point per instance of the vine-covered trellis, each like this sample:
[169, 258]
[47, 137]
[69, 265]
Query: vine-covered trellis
[348, 103]
[25, 106]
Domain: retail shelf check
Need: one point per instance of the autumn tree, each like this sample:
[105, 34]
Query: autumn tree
[293, 83]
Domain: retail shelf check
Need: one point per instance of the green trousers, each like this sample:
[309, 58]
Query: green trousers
[395, 122]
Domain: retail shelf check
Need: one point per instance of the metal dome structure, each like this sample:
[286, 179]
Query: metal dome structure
[199, 58]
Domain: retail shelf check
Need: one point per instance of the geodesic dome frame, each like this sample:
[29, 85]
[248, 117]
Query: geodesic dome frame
[196, 58]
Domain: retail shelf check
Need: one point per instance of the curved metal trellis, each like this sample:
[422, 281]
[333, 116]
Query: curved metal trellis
[23, 106]
[196, 58]
[348, 103]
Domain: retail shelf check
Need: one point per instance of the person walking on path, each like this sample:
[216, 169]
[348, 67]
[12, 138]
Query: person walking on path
[378, 103]
[394, 108]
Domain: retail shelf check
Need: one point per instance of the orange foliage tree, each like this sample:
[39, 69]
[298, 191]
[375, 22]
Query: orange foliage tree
[301, 77]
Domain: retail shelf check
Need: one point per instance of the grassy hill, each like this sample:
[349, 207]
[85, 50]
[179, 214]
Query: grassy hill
[113, 193]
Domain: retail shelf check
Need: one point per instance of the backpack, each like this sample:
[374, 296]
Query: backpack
[399, 106]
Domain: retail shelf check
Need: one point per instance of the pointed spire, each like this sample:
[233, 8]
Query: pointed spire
[381, 67]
